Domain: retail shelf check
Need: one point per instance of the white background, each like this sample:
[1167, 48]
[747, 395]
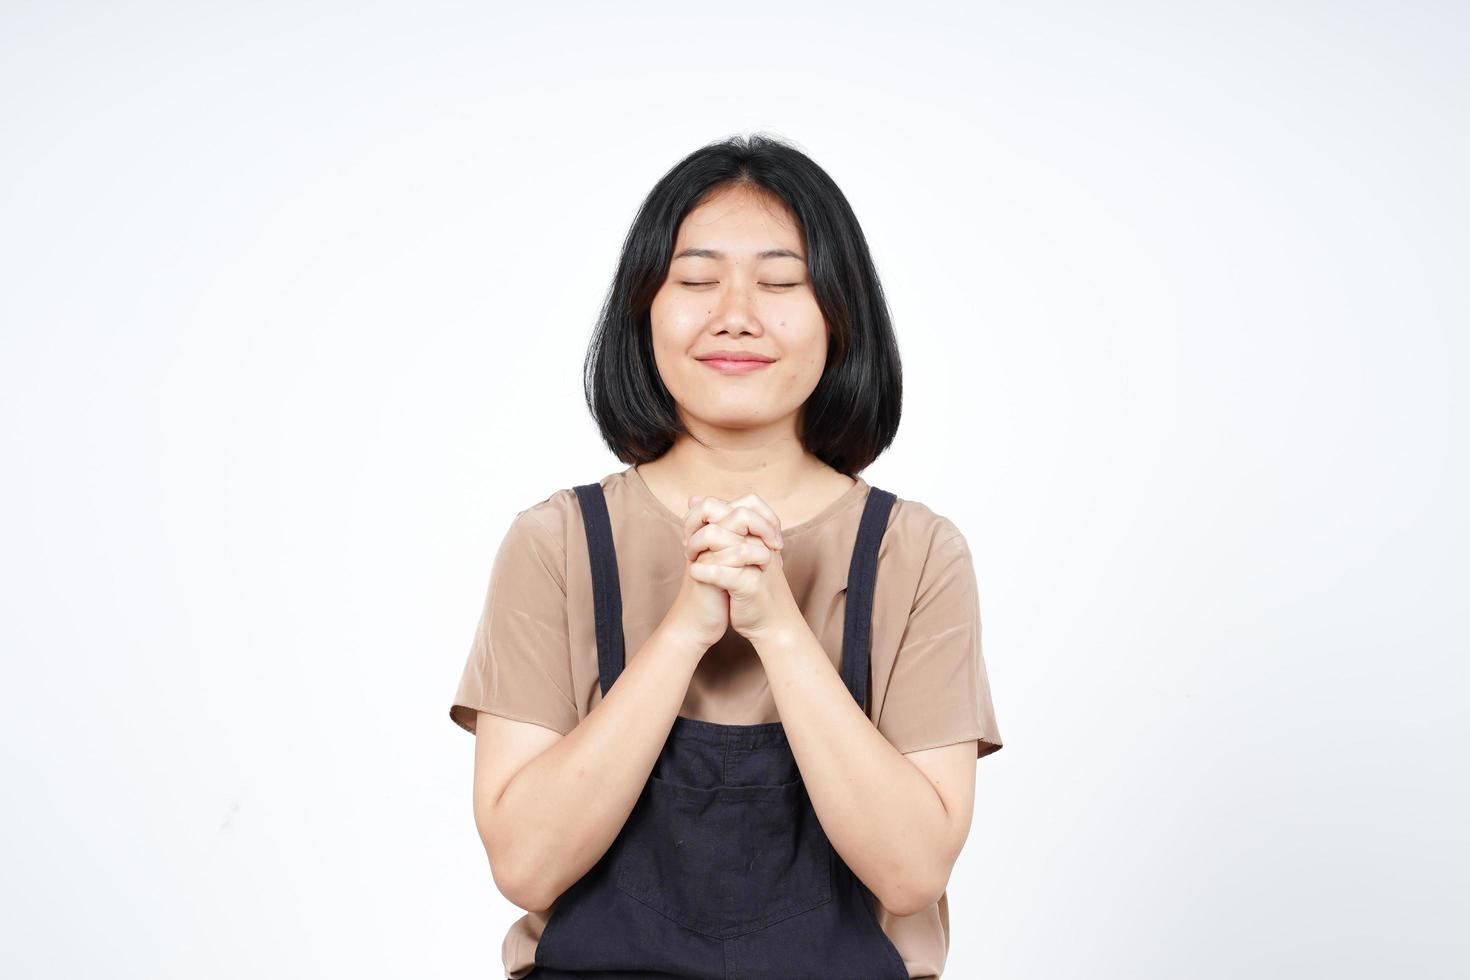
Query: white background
[295, 300]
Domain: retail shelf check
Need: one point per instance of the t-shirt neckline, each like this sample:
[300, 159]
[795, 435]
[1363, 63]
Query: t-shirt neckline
[858, 491]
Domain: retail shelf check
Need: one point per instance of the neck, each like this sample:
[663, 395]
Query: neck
[781, 472]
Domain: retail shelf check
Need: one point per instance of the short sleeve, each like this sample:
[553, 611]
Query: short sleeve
[939, 692]
[519, 663]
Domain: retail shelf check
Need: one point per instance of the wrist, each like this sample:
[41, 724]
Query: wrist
[780, 636]
[682, 639]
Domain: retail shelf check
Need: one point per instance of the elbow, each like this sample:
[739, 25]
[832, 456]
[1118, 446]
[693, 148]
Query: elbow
[522, 891]
[521, 882]
[910, 896]
[516, 874]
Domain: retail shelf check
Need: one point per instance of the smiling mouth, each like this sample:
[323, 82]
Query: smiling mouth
[733, 365]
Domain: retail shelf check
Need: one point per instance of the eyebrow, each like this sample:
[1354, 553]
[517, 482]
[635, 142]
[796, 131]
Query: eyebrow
[711, 253]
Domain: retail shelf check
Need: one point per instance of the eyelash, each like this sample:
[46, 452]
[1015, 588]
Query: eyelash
[782, 284]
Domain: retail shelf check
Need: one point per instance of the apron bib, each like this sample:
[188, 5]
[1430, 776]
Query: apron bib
[722, 870]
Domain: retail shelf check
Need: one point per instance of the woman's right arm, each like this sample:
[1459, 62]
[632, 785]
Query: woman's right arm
[547, 805]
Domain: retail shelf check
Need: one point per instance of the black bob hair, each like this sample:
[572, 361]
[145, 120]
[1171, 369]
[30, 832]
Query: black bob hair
[852, 415]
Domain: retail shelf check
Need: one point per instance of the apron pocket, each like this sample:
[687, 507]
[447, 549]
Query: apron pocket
[726, 860]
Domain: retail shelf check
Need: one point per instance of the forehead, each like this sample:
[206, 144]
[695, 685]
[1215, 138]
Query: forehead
[739, 222]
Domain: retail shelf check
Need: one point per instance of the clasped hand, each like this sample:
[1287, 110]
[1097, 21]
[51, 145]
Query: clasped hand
[735, 546]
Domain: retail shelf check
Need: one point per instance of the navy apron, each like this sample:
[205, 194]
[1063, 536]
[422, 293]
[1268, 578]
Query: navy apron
[721, 870]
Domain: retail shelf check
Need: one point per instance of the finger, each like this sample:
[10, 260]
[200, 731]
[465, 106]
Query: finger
[711, 536]
[721, 575]
[745, 519]
[757, 503]
[748, 514]
[704, 510]
[745, 551]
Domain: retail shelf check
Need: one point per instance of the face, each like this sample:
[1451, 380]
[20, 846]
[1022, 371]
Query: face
[738, 283]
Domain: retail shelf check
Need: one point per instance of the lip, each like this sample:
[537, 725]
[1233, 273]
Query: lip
[734, 361]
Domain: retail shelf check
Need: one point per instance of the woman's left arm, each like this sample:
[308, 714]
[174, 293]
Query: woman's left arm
[899, 821]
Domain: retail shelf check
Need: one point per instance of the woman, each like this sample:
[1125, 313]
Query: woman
[727, 700]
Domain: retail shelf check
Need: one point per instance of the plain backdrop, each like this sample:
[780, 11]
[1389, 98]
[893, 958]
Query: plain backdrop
[295, 301]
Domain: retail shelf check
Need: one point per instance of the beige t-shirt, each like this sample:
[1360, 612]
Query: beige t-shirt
[534, 654]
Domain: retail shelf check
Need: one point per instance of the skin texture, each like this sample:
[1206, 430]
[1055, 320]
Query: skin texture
[548, 806]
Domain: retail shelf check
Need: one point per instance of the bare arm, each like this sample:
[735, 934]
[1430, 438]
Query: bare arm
[899, 821]
[548, 806]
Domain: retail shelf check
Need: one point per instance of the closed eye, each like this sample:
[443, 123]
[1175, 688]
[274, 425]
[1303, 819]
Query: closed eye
[774, 285]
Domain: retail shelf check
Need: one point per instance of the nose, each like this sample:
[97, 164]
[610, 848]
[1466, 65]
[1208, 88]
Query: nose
[735, 311]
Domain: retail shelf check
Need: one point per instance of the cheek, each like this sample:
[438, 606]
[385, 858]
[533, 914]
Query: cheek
[665, 326]
[674, 321]
[804, 342]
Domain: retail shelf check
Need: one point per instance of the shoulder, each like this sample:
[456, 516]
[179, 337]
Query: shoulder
[547, 519]
[922, 528]
[547, 524]
[924, 546]
[554, 515]
[534, 545]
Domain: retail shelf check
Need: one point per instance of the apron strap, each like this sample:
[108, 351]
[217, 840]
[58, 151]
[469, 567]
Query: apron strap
[862, 574]
[607, 596]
